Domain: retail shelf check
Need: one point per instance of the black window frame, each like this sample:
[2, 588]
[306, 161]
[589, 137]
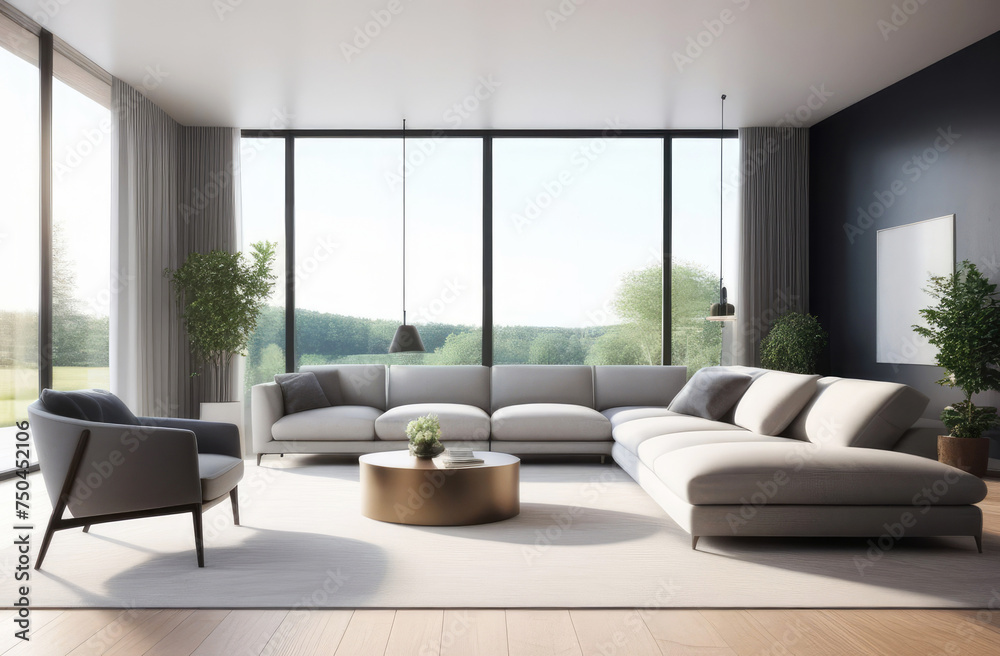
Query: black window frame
[487, 137]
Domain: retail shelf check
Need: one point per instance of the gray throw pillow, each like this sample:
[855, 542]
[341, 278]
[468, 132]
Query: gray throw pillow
[301, 392]
[90, 405]
[710, 393]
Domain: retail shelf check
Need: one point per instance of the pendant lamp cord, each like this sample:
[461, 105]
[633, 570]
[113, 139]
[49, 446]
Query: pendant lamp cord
[404, 221]
[722, 124]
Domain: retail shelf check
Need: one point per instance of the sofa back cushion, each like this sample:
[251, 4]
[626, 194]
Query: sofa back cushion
[88, 405]
[352, 384]
[301, 392]
[516, 384]
[773, 400]
[617, 386]
[464, 384]
[861, 413]
[710, 393]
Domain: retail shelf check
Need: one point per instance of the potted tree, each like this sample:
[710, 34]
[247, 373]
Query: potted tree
[793, 344]
[221, 296]
[965, 327]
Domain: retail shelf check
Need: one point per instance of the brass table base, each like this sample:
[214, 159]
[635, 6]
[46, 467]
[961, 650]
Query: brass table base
[399, 488]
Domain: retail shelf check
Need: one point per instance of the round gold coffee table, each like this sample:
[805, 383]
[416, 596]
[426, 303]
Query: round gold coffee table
[397, 487]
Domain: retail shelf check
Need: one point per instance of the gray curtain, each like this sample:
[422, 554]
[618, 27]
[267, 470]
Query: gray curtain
[208, 219]
[774, 233]
[175, 192]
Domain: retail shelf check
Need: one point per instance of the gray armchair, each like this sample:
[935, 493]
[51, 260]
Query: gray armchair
[103, 464]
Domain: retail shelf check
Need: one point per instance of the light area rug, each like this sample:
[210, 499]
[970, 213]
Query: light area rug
[587, 536]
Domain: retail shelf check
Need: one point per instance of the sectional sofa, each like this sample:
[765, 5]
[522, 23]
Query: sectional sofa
[794, 455]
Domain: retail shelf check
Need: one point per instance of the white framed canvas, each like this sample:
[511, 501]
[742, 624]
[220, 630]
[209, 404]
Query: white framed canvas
[908, 255]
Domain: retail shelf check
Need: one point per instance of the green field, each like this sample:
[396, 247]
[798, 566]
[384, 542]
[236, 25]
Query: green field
[19, 387]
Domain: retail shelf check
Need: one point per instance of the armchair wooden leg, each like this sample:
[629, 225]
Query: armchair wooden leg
[259, 456]
[199, 537]
[234, 497]
[55, 519]
[979, 542]
[86, 529]
[694, 541]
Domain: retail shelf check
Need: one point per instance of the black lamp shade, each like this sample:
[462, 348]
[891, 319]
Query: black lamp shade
[720, 312]
[406, 340]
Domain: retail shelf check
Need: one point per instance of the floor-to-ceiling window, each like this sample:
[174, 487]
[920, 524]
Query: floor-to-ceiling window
[577, 249]
[695, 240]
[81, 227]
[574, 235]
[19, 262]
[349, 249]
[262, 171]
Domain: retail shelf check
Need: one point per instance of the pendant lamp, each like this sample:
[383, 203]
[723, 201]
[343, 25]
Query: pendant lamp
[406, 339]
[723, 310]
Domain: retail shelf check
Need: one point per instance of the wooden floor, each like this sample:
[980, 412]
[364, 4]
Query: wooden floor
[513, 632]
[517, 632]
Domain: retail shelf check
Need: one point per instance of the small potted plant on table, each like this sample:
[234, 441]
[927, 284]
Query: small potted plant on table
[965, 326]
[424, 434]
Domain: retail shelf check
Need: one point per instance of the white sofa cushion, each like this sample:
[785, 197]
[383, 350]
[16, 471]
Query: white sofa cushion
[651, 449]
[458, 422]
[630, 435]
[549, 422]
[636, 385]
[459, 384]
[619, 416]
[773, 400]
[807, 474]
[519, 384]
[336, 423]
[862, 413]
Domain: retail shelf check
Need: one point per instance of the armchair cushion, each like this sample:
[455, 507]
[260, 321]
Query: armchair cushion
[219, 474]
[301, 392]
[89, 405]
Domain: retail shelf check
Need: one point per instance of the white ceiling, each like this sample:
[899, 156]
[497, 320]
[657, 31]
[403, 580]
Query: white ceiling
[279, 63]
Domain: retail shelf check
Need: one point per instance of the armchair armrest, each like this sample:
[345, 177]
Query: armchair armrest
[212, 436]
[126, 468]
[267, 406]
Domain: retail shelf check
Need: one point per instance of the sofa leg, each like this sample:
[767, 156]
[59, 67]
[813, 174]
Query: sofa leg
[234, 497]
[259, 456]
[86, 529]
[602, 459]
[979, 542]
[199, 537]
[694, 541]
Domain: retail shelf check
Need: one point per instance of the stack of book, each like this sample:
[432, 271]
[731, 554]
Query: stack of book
[457, 458]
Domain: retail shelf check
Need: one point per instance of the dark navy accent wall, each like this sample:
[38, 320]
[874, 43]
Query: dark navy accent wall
[925, 147]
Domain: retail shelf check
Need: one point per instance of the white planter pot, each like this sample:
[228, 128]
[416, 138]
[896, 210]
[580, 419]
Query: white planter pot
[230, 413]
